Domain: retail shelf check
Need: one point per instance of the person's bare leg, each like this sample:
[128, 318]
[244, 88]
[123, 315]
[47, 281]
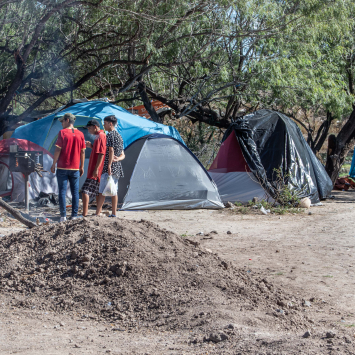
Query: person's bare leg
[100, 202]
[85, 199]
[114, 204]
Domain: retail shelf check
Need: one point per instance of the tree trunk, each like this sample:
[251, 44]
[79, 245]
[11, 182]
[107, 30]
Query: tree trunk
[338, 148]
[336, 160]
[3, 125]
[332, 164]
[16, 214]
[147, 104]
[4, 103]
[322, 133]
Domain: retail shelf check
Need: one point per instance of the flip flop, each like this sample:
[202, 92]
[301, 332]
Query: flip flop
[112, 215]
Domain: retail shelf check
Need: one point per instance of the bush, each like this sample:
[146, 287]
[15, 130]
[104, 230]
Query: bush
[284, 194]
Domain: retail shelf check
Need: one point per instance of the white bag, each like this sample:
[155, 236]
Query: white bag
[110, 188]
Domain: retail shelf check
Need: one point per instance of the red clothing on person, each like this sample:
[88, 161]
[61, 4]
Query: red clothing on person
[72, 142]
[99, 147]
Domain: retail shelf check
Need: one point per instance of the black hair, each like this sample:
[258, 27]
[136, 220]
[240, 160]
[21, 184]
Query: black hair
[111, 119]
[93, 123]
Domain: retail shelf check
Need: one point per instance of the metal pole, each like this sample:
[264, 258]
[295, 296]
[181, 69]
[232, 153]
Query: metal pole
[27, 204]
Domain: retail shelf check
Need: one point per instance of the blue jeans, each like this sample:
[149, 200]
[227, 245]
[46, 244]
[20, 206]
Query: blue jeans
[73, 176]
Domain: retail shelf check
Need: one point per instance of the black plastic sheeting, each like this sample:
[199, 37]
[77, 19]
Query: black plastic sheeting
[271, 141]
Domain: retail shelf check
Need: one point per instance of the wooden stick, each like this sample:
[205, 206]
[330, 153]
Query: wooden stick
[16, 214]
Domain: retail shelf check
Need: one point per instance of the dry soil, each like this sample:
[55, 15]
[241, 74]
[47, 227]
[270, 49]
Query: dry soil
[174, 282]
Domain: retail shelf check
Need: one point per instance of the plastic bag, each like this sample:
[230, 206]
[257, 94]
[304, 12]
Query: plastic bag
[110, 188]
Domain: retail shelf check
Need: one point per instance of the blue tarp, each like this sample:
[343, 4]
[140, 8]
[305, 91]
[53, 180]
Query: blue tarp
[131, 127]
[36, 131]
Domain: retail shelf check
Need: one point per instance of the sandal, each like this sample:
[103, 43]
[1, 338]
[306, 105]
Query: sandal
[112, 215]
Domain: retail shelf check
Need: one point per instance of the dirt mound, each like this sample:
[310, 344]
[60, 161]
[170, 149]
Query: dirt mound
[134, 274]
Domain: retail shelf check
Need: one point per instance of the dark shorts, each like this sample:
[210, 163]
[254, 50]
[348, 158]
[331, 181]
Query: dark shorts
[91, 187]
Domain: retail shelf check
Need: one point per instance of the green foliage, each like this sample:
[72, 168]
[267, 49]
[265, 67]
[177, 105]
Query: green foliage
[314, 62]
[210, 60]
[184, 235]
[243, 210]
[254, 208]
[345, 170]
[281, 210]
[285, 194]
[83, 47]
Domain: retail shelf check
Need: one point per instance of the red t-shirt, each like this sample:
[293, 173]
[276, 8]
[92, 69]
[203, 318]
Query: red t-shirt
[99, 147]
[72, 142]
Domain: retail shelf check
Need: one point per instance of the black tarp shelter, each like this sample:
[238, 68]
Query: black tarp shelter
[268, 142]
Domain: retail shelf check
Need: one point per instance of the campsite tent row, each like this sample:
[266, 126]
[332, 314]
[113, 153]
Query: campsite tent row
[161, 173]
[44, 132]
[165, 174]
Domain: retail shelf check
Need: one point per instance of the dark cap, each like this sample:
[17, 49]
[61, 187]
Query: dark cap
[93, 123]
[68, 115]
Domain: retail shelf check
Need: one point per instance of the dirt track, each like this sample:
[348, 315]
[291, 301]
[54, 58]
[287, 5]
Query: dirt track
[308, 256]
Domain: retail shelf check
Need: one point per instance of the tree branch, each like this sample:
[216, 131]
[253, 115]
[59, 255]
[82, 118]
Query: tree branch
[203, 114]
[100, 90]
[147, 104]
[16, 214]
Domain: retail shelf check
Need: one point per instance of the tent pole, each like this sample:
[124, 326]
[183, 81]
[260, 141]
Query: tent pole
[27, 204]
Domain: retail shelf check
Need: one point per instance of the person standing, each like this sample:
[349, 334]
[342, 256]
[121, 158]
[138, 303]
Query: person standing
[96, 164]
[114, 147]
[69, 156]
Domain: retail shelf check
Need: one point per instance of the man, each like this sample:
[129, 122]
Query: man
[70, 155]
[96, 164]
[114, 147]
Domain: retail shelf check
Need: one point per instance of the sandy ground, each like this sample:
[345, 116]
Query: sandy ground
[311, 255]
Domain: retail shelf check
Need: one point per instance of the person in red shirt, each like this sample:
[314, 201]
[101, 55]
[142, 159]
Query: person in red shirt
[96, 164]
[69, 155]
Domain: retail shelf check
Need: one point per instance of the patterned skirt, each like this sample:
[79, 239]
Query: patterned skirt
[91, 187]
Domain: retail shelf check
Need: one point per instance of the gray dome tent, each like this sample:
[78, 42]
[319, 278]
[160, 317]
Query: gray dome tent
[162, 173]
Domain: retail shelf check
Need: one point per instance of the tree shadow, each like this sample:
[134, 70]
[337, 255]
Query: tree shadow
[343, 196]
